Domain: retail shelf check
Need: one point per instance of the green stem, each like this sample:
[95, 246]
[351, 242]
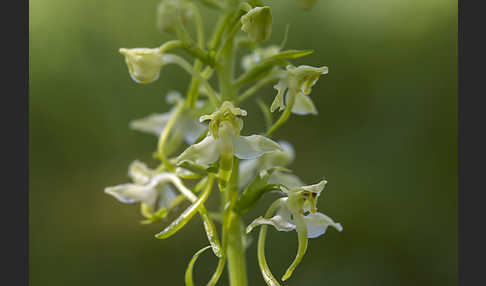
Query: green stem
[191, 48]
[174, 59]
[226, 72]
[165, 135]
[236, 252]
[232, 232]
[252, 90]
[194, 86]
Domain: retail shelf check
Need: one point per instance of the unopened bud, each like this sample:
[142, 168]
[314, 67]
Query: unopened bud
[143, 64]
[257, 23]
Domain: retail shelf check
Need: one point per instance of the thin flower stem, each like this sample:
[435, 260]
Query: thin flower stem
[285, 115]
[193, 92]
[262, 262]
[165, 135]
[252, 90]
[191, 48]
[171, 58]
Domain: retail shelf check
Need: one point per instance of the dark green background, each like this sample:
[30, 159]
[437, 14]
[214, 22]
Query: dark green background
[385, 138]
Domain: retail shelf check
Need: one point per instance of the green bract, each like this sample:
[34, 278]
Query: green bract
[144, 64]
[200, 137]
[257, 23]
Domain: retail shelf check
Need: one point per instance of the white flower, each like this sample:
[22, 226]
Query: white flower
[152, 190]
[224, 140]
[144, 64]
[186, 125]
[297, 82]
[298, 212]
[249, 168]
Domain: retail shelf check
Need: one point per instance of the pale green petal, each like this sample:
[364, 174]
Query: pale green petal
[247, 170]
[303, 241]
[278, 102]
[140, 173]
[165, 196]
[281, 221]
[251, 147]
[173, 97]
[132, 193]
[317, 224]
[303, 105]
[291, 181]
[226, 150]
[191, 128]
[279, 158]
[154, 123]
[316, 188]
[204, 152]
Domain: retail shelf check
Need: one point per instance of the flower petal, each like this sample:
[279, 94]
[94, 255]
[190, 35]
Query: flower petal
[303, 105]
[204, 152]
[301, 229]
[251, 147]
[291, 181]
[140, 173]
[276, 221]
[132, 193]
[191, 128]
[317, 224]
[154, 123]
[281, 221]
[246, 171]
[278, 102]
[166, 195]
[316, 188]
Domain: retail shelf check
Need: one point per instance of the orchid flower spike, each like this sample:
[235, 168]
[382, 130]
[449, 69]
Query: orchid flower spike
[186, 127]
[249, 168]
[224, 141]
[296, 85]
[297, 211]
[153, 191]
[144, 64]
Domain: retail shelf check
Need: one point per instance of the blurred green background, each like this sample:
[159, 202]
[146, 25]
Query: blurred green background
[385, 138]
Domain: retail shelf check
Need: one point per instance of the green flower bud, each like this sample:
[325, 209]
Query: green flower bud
[307, 4]
[167, 12]
[143, 64]
[257, 23]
